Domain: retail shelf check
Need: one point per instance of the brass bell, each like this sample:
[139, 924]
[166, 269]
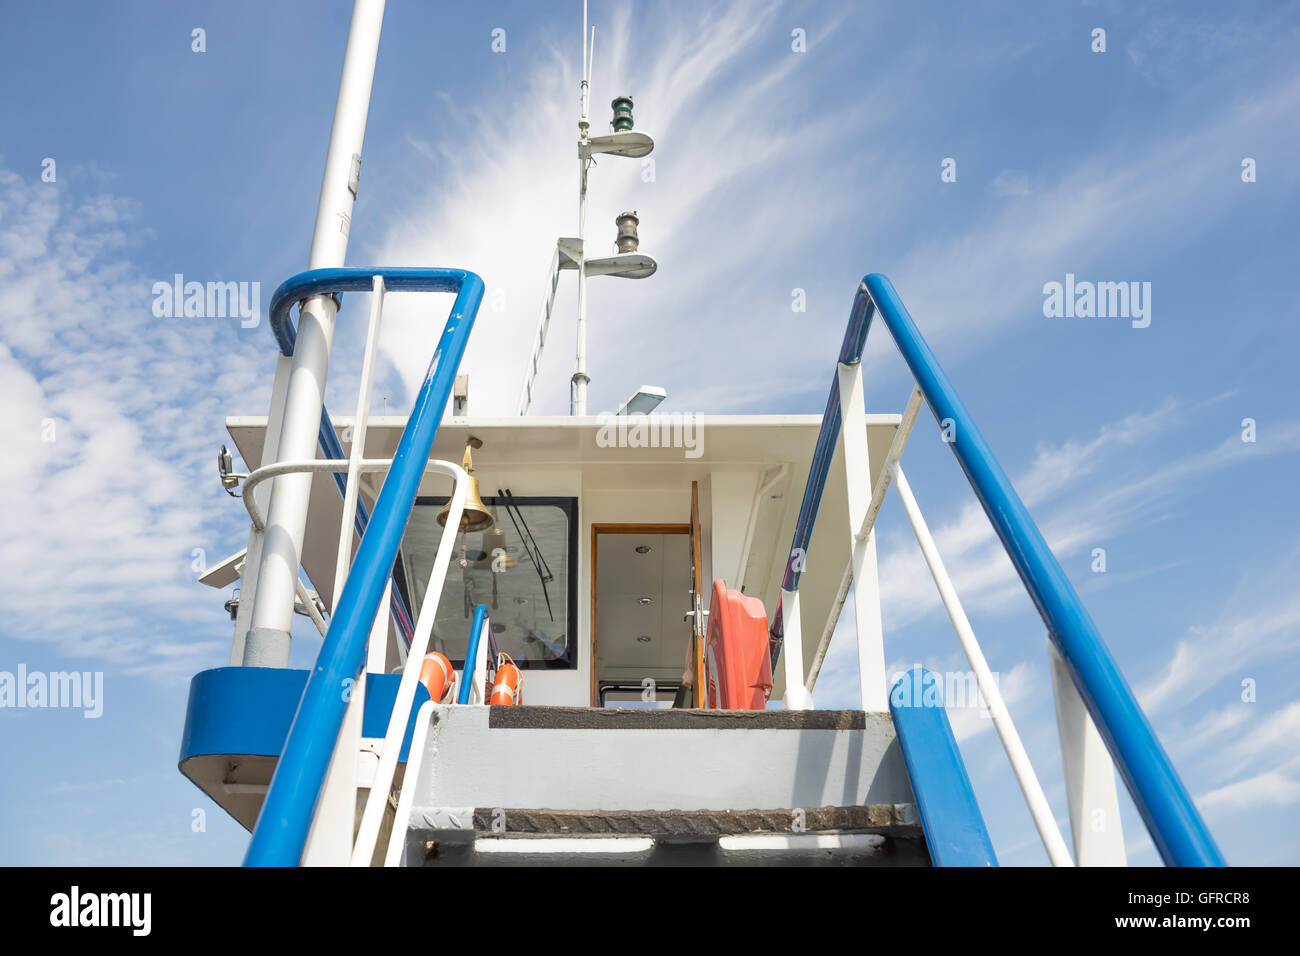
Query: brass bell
[476, 516]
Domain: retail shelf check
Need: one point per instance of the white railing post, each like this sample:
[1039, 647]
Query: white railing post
[901, 435]
[357, 452]
[796, 695]
[1039, 808]
[866, 593]
[1089, 776]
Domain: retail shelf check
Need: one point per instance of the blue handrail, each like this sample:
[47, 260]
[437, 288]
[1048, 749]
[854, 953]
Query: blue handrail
[855, 339]
[328, 440]
[1166, 808]
[285, 819]
[954, 828]
[467, 675]
[322, 282]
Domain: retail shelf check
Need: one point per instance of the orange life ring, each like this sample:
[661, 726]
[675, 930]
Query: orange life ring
[438, 677]
[508, 685]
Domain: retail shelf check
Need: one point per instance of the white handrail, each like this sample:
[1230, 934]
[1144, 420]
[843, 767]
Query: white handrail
[372, 817]
[1039, 808]
[266, 472]
[368, 833]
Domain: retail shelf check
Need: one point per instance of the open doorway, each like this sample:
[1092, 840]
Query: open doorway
[640, 593]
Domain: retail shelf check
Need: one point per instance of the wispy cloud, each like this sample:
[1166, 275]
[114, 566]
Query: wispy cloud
[112, 417]
[728, 123]
[1267, 789]
[1260, 622]
[1074, 511]
[976, 279]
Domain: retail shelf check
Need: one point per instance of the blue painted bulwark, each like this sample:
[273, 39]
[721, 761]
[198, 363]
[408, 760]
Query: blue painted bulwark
[954, 827]
[467, 675]
[281, 831]
[1164, 803]
[248, 710]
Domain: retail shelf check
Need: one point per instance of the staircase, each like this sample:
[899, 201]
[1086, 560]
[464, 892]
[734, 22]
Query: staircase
[577, 786]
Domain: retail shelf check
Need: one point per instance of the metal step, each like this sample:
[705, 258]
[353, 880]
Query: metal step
[558, 785]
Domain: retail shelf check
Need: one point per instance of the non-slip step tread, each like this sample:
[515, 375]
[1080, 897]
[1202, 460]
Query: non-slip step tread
[648, 718]
[895, 820]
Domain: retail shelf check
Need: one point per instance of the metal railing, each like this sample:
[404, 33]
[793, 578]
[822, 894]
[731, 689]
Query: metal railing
[280, 834]
[304, 285]
[475, 658]
[1166, 808]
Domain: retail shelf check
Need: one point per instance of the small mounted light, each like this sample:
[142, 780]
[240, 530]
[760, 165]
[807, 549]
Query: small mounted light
[226, 469]
[622, 114]
[627, 239]
[643, 401]
[643, 549]
[645, 601]
[643, 639]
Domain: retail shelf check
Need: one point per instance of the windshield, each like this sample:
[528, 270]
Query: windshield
[521, 567]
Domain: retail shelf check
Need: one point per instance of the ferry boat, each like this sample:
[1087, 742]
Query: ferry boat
[596, 639]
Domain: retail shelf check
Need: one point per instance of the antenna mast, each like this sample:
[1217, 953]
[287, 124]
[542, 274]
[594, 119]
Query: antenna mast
[571, 253]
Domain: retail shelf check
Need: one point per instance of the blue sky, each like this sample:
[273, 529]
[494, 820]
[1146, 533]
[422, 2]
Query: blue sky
[774, 171]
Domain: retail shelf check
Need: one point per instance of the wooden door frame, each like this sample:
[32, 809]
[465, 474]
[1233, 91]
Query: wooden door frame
[596, 531]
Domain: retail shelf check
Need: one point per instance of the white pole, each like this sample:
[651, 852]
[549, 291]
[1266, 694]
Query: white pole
[267, 643]
[1039, 808]
[578, 386]
[578, 403]
[253, 556]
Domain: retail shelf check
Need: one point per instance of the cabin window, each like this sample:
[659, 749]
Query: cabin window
[523, 567]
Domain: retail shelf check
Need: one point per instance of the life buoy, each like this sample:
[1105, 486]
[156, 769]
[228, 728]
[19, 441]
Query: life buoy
[508, 685]
[438, 677]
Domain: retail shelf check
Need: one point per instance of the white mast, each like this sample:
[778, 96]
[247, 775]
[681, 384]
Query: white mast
[272, 599]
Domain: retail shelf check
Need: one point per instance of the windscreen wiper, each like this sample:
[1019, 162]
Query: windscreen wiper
[530, 546]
